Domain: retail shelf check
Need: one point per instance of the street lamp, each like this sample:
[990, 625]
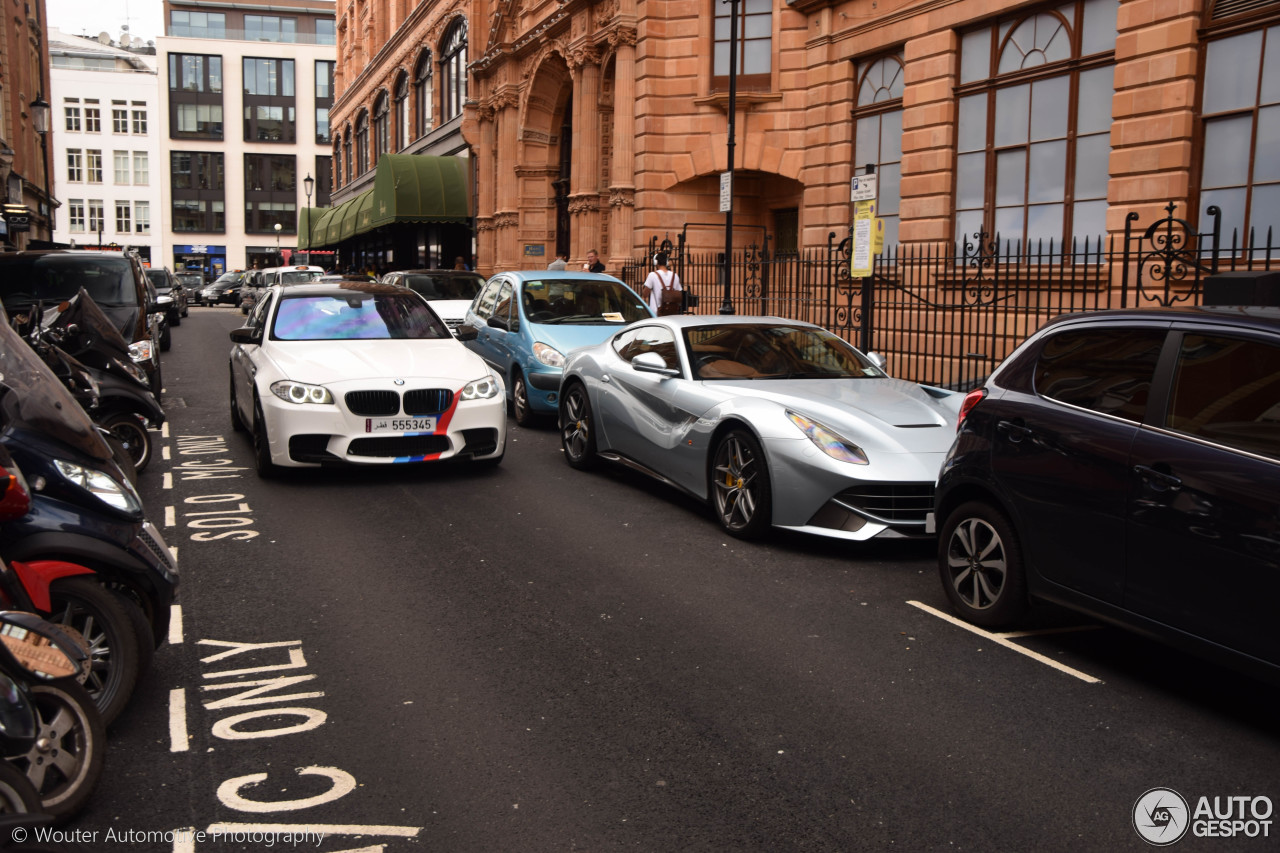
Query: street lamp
[279, 257]
[40, 121]
[726, 306]
[308, 184]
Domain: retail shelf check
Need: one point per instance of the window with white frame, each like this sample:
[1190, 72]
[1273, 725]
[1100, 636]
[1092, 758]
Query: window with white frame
[122, 167]
[1032, 137]
[93, 166]
[119, 117]
[75, 214]
[71, 109]
[92, 117]
[142, 217]
[139, 118]
[141, 169]
[124, 216]
[75, 165]
[97, 222]
[878, 134]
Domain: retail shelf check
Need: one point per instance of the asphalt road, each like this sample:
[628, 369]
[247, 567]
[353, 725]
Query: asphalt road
[531, 658]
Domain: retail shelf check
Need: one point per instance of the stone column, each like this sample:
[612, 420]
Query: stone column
[584, 186]
[486, 153]
[506, 192]
[622, 187]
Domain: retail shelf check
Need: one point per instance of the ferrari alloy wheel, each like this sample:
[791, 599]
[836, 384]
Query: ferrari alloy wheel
[577, 432]
[980, 561]
[741, 492]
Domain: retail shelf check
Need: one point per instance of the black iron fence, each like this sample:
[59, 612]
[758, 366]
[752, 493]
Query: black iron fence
[948, 316]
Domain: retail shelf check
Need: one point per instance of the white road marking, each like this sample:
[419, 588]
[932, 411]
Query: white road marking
[1002, 641]
[164, 453]
[184, 840]
[170, 516]
[164, 429]
[166, 481]
[326, 828]
[178, 720]
[175, 624]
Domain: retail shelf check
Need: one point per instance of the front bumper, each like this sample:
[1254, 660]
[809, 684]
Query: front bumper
[309, 435]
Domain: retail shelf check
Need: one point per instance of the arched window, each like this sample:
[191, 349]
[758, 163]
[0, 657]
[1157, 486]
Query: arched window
[381, 124]
[422, 94]
[877, 136]
[337, 162]
[346, 155]
[362, 143]
[402, 112]
[453, 68]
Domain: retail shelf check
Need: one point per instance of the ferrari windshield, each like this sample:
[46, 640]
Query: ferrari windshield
[580, 301]
[760, 351]
[355, 316]
[27, 279]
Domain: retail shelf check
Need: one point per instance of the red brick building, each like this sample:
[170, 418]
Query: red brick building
[601, 125]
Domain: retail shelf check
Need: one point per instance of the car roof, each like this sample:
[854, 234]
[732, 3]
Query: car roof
[559, 275]
[452, 273]
[338, 288]
[1243, 316]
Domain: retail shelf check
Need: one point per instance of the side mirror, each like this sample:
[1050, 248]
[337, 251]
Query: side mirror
[467, 333]
[651, 362]
[499, 323]
[39, 647]
[878, 360]
[246, 335]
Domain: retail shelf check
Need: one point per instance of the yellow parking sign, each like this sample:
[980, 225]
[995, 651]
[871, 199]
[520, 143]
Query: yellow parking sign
[865, 228]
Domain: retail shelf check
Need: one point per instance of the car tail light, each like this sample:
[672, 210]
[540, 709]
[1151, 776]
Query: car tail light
[970, 400]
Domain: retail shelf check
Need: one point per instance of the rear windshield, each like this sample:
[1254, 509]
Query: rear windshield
[355, 316]
[300, 276]
[444, 286]
[55, 278]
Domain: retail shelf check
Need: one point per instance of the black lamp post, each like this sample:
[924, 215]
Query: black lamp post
[40, 121]
[308, 184]
[279, 257]
[726, 306]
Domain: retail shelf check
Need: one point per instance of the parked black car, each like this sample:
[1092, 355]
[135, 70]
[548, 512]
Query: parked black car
[1126, 465]
[225, 290]
[116, 282]
[167, 284]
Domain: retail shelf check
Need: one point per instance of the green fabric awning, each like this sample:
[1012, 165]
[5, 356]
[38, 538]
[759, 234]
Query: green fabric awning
[406, 188]
[419, 188]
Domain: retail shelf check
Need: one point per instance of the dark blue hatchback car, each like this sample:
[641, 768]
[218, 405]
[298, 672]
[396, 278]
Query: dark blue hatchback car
[1126, 465]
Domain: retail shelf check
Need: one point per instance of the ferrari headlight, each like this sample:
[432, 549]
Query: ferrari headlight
[480, 389]
[101, 485]
[829, 442]
[550, 356]
[300, 392]
[141, 351]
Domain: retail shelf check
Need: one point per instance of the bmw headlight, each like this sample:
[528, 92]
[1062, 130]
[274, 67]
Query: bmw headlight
[480, 389]
[101, 485]
[550, 356]
[828, 441]
[300, 392]
[141, 351]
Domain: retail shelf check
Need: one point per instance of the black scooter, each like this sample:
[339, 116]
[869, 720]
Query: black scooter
[51, 734]
[79, 344]
[79, 547]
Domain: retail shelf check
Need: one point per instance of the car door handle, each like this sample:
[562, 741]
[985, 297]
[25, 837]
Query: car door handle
[1162, 479]
[1015, 431]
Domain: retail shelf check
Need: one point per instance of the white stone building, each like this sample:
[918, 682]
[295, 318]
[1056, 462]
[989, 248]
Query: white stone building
[106, 144]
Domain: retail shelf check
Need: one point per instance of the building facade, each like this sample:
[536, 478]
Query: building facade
[243, 109]
[26, 184]
[107, 161]
[605, 124]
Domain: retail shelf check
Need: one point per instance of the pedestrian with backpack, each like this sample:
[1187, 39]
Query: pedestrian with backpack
[662, 289]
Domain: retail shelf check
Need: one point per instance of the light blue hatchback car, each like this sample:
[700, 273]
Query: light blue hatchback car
[525, 323]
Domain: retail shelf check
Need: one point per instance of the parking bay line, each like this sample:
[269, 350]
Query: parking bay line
[1001, 640]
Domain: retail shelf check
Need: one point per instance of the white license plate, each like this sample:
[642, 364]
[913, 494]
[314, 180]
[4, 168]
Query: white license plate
[400, 425]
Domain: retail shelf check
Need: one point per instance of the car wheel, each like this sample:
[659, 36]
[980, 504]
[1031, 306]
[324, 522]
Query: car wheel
[577, 429]
[132, 433]
[166, 338]
[157, 383]
[82, 606]
[741, 493]
[520, 401]
[66, 760]
[237, 422]
[17, 794]
[980, 562]
[261, 445]
[175, 319]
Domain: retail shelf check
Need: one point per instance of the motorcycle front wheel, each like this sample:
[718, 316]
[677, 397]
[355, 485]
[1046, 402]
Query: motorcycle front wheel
[66, 760]
[98, 615]
[17, 794]
[133, 434]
